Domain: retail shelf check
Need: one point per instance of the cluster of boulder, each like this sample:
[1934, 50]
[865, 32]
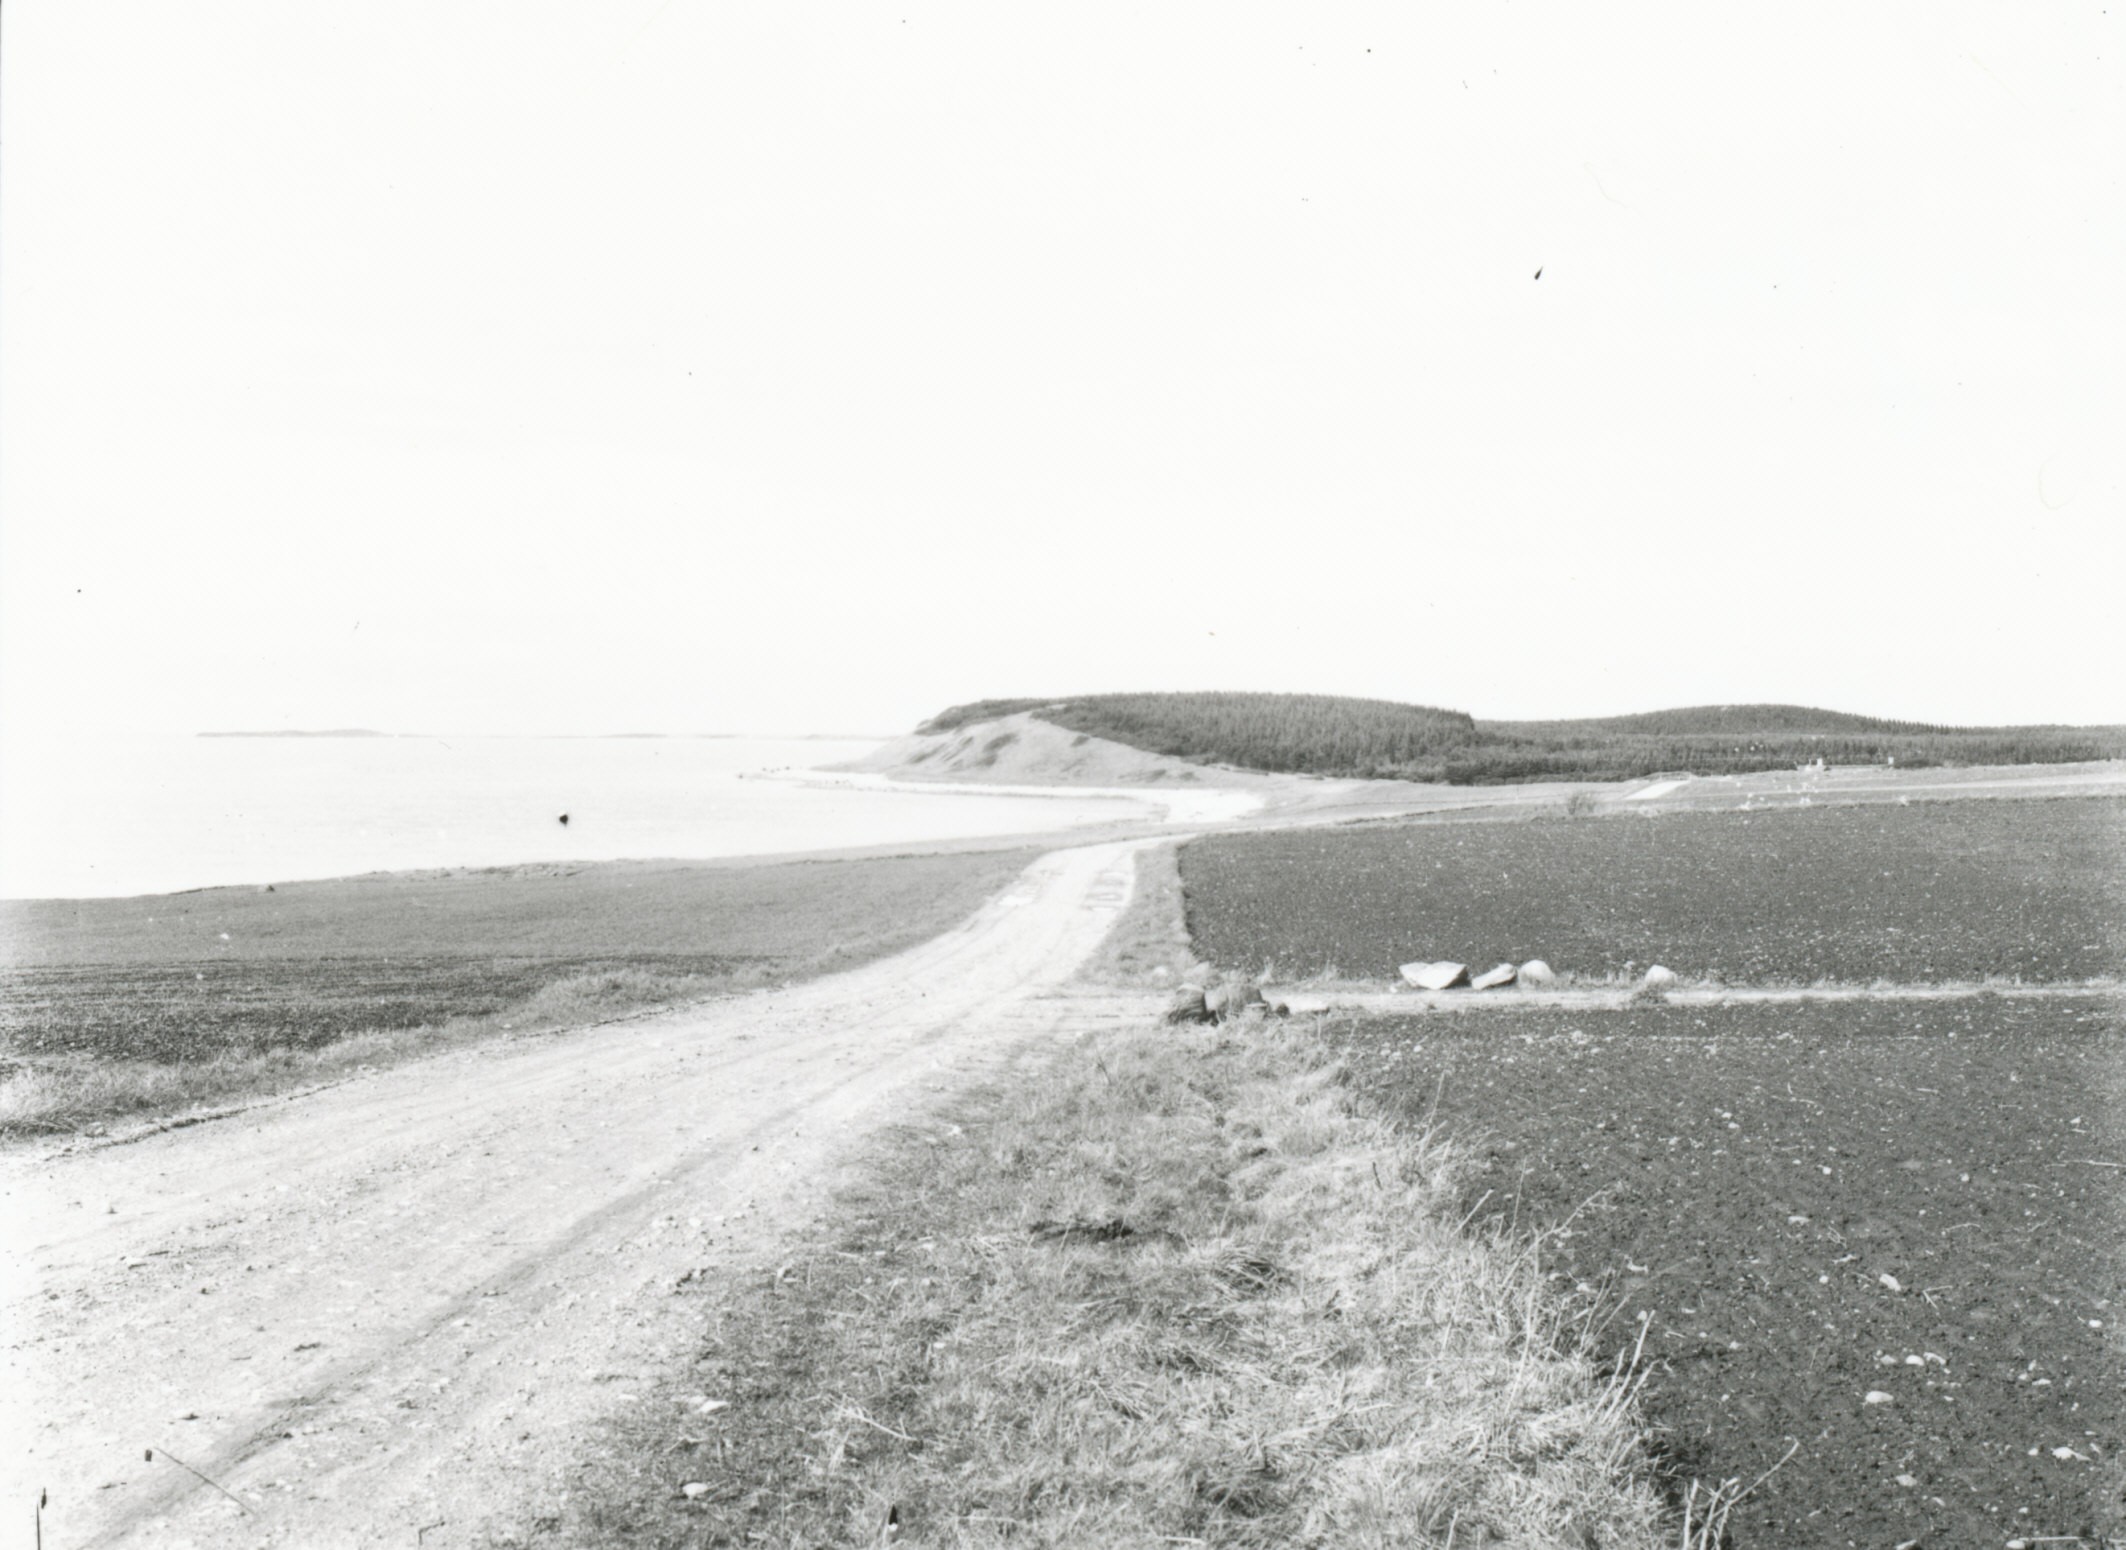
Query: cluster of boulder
[1446, 975]
[1231, 999]
[1221, 1003]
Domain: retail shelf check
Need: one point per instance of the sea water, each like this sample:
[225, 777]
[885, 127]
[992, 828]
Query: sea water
[108, 816]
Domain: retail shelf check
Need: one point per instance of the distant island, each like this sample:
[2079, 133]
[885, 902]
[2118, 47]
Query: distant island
[1333, 735]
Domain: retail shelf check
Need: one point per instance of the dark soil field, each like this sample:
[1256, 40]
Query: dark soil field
[177, 979]
[179, 1011]
[1934, 891]
[543, 910]
[1814, 1204]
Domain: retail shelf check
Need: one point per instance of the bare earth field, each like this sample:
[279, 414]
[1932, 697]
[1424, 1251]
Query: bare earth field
[393, 1308]
[1746, 1177]
[1933, 891]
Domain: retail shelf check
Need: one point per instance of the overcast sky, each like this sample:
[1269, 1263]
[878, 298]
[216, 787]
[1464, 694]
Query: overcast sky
[694, 365]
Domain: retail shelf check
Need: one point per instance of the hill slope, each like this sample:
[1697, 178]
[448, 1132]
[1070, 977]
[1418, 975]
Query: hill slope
[1017, 747]
[1319, 734]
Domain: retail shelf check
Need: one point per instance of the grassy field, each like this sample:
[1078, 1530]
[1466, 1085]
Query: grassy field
[115, 1006]
[1322, 734]
[1746, 1177]
[1164, 1288]
[1928, 892]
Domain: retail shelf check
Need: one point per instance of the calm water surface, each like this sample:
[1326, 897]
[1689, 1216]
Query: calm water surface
[151, 815]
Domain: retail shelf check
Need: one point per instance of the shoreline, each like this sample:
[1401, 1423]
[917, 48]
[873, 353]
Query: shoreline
[1258, 801]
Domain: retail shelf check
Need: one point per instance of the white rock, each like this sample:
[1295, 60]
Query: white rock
[1189, 1006]
[1537, 972]
[1435, 976]
[1907, 1481]
[1877, 1397]
[1890, 1282]
[1225, 1002]
[1658, 978]
[692, 1489]
[1492, 979]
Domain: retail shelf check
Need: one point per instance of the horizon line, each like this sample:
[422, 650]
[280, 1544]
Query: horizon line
[372, 732]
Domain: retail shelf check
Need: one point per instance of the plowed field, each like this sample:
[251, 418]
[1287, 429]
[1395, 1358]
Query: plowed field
[1932, 891]
[1814, 1203]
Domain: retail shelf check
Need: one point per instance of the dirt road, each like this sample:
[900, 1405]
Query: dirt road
[385, 1313]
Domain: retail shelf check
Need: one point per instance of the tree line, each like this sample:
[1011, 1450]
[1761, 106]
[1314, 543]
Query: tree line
[1335, 735]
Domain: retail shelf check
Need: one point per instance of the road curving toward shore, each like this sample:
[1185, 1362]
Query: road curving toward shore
[388, 1312]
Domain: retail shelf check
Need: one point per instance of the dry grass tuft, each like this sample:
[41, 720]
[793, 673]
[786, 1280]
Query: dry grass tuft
[1175, 1290]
